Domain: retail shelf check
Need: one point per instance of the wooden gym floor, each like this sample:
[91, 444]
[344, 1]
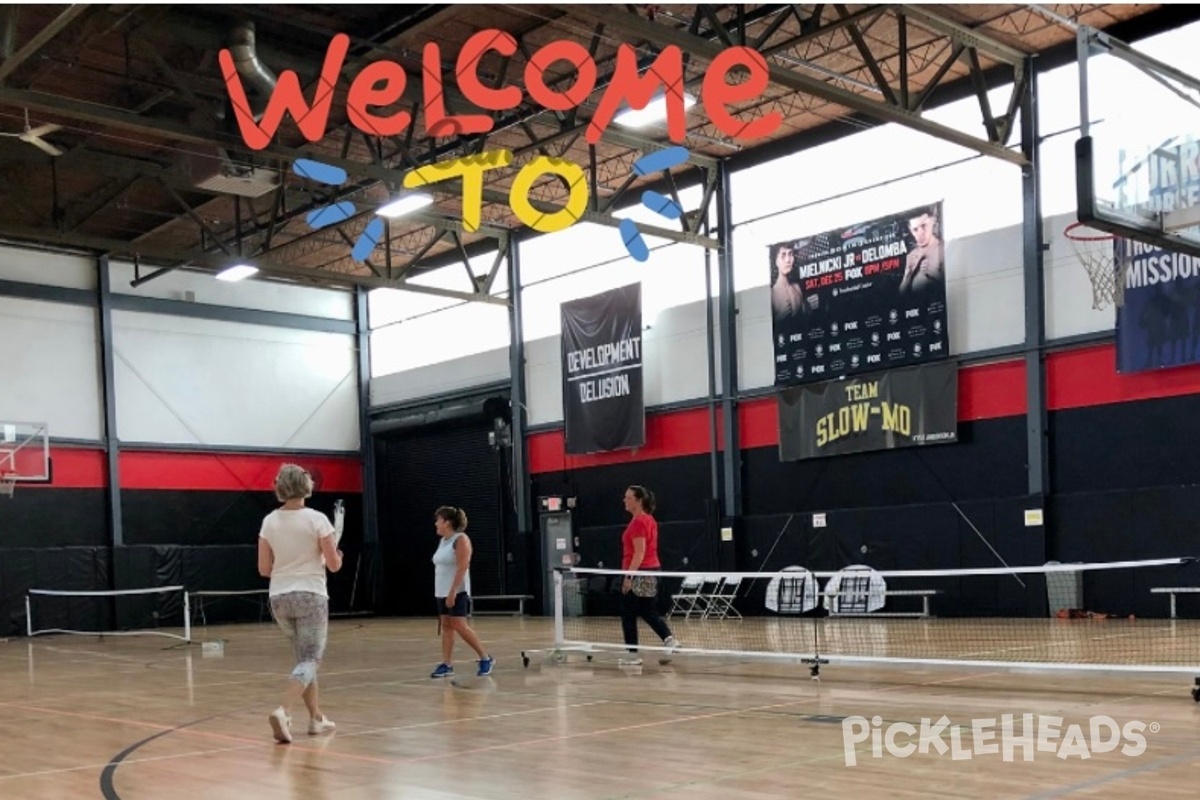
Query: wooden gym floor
[148, 717]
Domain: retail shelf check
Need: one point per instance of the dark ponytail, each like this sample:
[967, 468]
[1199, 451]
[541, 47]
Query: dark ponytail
[645, 496]
[455, 516]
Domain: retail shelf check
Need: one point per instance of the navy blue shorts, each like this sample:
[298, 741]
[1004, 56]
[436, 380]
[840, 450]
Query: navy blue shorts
[462, 602]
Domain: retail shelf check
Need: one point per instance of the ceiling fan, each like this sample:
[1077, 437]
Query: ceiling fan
[34, 136]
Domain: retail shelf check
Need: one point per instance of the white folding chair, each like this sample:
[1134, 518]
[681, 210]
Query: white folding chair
[721, 603]
[690, 599]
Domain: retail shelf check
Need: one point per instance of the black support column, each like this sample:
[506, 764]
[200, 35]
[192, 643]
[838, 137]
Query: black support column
[727, 324]
[520, 464]
[366, 444]
[1035, 307]
[112, 443]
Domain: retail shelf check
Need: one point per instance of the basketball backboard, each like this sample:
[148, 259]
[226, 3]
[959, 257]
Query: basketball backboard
[1138, 156]
[24, 452]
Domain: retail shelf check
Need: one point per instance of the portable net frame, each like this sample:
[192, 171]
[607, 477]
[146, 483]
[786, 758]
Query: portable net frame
[1106, 259]
[1110, 617]
[155, 611]
[229, 606]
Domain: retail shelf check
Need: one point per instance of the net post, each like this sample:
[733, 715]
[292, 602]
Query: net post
[187, 617]
[559, 627]
[28, 618]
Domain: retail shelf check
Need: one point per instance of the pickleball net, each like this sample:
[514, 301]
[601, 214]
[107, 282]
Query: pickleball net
[1110, 616]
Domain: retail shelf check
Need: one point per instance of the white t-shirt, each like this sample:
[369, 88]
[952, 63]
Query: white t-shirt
[294, 537]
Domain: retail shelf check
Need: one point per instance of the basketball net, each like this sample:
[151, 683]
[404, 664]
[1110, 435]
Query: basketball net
[1106, 260]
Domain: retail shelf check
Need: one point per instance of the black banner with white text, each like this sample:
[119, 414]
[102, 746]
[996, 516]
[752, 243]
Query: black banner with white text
[898, 408]
[603, 400]
[866, 297]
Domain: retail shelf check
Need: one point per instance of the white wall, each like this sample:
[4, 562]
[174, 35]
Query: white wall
[476, 369]
[188, 381]
[178, 380]
[259, 295]
[49, 367]
[50, 269]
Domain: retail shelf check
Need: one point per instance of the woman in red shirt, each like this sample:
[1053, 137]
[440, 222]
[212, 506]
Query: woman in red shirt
[639, 546]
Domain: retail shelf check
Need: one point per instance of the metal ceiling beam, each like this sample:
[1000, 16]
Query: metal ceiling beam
[635, 25]
[95, 162]
[600, 218]
[41, 39]
[962, 34]
[171, 259]
[97, 201]
[84, 111]
[97, 114]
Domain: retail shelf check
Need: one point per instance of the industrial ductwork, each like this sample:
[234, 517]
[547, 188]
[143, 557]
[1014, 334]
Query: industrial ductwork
[456, 412]
[8, 30]
[256, 76]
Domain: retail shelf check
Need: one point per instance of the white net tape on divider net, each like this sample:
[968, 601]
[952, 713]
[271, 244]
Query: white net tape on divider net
[1106, 259]
[157, 611]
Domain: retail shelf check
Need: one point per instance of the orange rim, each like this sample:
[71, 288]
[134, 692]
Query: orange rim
[1071, 232]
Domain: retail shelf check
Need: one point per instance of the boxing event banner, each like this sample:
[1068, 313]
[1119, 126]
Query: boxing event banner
[866, 297]
[603, 402]
[906, 407]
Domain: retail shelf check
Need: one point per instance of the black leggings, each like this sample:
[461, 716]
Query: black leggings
[633, 607]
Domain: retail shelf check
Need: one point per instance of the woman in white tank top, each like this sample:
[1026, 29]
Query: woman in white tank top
[452, 588]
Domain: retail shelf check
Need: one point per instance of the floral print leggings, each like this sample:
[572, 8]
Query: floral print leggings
[304, 617]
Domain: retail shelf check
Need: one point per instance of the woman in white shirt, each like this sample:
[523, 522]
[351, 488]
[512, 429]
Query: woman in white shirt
[452, 588]
[295, 546]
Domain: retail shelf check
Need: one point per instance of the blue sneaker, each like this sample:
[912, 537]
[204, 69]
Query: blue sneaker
[485, 666]
[442, 671]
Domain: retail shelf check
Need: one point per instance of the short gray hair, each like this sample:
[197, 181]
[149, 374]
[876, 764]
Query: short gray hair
[293, 483]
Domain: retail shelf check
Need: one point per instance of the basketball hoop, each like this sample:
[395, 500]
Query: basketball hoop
[1106, 260]
[8, 484]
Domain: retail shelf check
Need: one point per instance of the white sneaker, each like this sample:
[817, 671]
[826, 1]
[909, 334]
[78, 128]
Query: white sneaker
[318, 726]
[281, 725]
[672, 643]
[630, 661]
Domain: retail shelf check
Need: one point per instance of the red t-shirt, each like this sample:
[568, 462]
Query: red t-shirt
[642, 526]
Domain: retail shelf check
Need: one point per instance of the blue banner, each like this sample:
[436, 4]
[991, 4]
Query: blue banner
[1159, 324]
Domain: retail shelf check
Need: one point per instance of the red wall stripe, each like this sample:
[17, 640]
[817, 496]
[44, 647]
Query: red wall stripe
[73, 468]
[679, 433]
[1088, 377]
[758, 422]
[76, 468]
[233, 471]
[991, 391]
